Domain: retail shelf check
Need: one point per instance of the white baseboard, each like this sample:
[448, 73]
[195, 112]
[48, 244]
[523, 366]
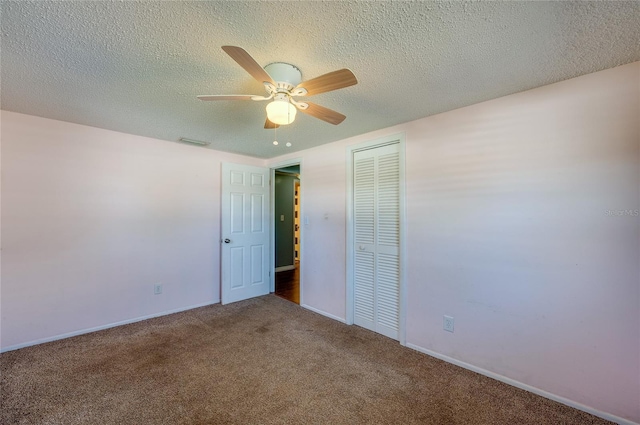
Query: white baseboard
[284, 268]
[102, 327]
[323, 313]
[522, 386]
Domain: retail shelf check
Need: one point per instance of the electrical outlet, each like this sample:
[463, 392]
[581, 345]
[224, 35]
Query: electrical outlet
[447, 323]
[157, 289]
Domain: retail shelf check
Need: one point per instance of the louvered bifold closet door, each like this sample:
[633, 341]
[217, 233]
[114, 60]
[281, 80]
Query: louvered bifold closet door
[364, 206]
[377, 239]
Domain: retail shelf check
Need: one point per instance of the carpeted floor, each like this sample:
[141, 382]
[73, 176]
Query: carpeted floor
[261, 361]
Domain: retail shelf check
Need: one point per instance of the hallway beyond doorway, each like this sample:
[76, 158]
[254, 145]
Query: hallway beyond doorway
[288, 284]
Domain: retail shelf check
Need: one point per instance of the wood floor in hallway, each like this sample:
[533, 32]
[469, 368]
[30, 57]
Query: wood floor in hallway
[288, 284]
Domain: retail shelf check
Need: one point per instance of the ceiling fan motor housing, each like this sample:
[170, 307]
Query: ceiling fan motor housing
[287, 76]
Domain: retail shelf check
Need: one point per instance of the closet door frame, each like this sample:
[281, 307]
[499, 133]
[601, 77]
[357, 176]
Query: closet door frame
[372, 144]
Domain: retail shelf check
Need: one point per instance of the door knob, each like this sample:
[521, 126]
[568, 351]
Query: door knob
[227, 240]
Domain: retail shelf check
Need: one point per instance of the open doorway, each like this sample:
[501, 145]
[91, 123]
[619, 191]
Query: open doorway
[287, 195]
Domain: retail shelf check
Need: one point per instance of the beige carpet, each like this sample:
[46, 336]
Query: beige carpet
[261, 361]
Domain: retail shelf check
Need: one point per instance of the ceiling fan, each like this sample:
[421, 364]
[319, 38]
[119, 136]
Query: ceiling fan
[283, 82]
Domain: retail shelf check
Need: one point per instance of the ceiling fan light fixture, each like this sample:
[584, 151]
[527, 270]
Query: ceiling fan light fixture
[281, 112]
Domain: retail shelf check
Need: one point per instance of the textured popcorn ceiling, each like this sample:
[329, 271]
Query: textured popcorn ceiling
[136, 67]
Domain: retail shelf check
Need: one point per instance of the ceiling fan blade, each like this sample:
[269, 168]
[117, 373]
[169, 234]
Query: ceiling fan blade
[332, 81]
[325, 114]
[249, 64]
[269, 124]
[226, 97]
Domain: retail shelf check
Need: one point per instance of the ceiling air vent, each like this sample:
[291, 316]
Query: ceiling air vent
[193, 142]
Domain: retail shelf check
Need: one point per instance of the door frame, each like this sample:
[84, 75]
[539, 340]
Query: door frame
[295, 181]
[398, 138]
[272, 227]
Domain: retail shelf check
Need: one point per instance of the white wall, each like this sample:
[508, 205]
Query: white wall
[509, 231]
[92, 219]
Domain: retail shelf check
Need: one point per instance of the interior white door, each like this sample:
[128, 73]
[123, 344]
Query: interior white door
[376, 190]
[245, 232]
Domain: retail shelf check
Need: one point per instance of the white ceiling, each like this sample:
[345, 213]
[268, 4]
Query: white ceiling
[137, 66]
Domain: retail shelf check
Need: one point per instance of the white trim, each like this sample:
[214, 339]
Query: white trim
[382, 141]
[272, 230]
[323, 313]
[403, 246]
[284, 268]
[287, 163]
[103, 327]
[349, 248]
[526, 387]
